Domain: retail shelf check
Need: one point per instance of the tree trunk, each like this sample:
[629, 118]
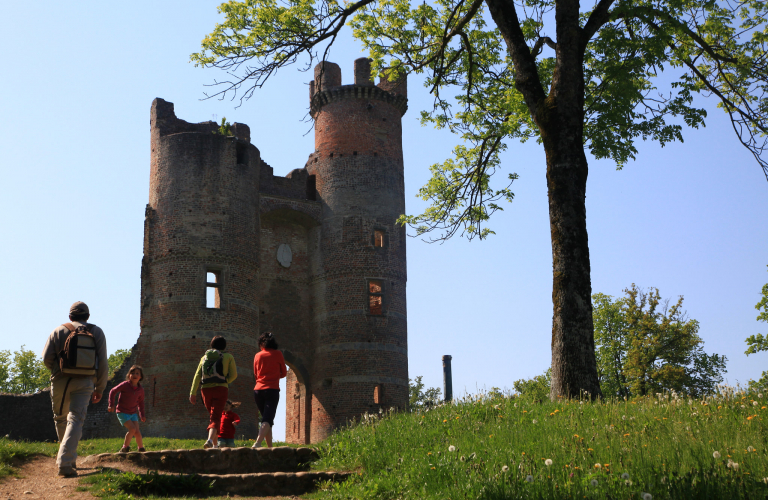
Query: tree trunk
[560, 118]
[574, 367]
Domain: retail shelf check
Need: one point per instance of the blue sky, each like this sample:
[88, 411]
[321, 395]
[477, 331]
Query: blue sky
[77, 84]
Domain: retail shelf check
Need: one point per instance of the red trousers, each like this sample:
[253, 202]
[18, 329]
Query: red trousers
[214, 399]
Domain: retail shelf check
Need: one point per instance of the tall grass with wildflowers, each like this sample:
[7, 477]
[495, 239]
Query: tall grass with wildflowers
[665, 446]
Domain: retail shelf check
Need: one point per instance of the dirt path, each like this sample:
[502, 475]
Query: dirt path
[38, 479]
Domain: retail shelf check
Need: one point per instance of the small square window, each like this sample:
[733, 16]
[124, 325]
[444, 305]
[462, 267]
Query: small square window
[213, 290]
[378, 238]
[375, 297]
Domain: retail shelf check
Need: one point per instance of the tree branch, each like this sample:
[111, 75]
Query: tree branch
[597, 19]
[539, 45]
[642, 14]
[526, 73]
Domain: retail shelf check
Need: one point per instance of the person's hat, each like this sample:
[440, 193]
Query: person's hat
[78, 308]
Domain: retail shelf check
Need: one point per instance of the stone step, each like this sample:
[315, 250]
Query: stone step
[223, 461]
[272, 483]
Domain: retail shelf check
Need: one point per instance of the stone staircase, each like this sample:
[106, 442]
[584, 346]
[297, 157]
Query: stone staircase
[243, 471]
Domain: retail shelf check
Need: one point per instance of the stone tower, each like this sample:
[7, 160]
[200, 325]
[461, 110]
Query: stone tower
[361, 356]
[315, 257]
[201, 225]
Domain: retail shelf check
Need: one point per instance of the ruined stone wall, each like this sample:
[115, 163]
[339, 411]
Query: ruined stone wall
[30, 416]
[27, 416]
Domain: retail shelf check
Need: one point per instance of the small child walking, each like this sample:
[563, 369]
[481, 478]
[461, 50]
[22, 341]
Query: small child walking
[130, 406]
[229, 421]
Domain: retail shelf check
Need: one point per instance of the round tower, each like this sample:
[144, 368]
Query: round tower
[361, 361]
[200, 268]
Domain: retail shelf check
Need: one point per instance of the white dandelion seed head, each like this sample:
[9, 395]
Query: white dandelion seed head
[628, 482]
[743, 406]
[754, 403]
[760, 395]
[598, 466]
[647, 496]
[451, 448]
[515, 405]
[593, 482]
[463, 458]
[504, 469]
[623, 417]
[529, 478]
[548, 462]
[750, 449]
[535, 421]
[765, 480]
[735, 466]
[625, 476]
[716, 454]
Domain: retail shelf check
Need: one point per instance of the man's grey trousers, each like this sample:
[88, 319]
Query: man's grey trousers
[70, 398]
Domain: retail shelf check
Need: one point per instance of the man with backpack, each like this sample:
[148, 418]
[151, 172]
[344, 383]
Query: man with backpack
[215, 372]
[76, 356]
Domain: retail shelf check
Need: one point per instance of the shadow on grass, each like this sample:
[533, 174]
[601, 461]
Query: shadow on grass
[119, 485]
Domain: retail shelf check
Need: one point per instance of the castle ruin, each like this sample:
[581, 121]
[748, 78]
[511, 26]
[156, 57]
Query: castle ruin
[315, 257]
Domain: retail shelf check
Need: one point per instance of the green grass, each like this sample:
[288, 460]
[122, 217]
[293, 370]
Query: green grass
[621, 450]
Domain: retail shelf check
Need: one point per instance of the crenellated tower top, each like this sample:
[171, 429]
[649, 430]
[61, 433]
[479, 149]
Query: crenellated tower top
[327, 87]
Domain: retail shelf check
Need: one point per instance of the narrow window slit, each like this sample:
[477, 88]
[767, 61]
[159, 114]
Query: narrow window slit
[375, 297]
[213, 290]
[242, 153]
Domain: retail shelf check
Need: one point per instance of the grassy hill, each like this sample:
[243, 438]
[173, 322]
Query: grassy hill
[661, 447]
[492, 448]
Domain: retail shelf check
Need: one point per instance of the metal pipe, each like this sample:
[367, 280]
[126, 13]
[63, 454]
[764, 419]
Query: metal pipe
[447, 378]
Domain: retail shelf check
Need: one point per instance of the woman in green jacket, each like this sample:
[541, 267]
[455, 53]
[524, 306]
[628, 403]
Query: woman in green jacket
[215, 372]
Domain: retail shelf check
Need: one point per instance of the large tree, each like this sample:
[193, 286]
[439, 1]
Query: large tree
[573, 79]
[646, 344]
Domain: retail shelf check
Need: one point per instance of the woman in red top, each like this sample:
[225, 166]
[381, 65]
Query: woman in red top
[268, 368]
